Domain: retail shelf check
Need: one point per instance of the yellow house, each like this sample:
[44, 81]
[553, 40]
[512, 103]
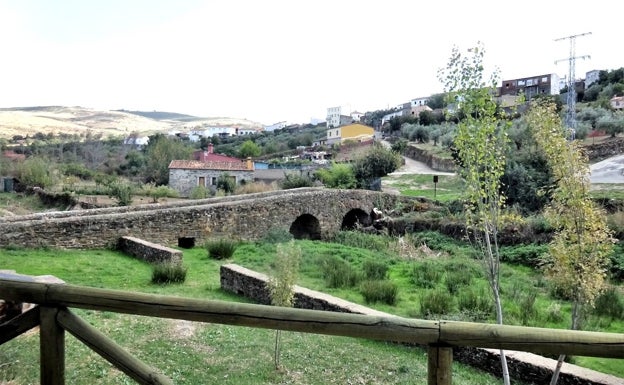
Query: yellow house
[355, 132]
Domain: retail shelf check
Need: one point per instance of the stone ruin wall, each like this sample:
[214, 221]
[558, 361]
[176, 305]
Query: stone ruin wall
[530, 368]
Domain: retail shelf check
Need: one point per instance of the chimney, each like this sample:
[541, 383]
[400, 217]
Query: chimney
[210, 148]
[250, 165]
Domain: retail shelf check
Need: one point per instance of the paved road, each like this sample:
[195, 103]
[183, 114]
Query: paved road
[610, 170]
[412, 166]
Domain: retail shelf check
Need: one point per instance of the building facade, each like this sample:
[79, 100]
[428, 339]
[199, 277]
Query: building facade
[354, 132]
[530, 86]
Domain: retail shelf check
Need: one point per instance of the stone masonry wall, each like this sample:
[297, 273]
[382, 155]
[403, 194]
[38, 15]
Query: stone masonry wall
[530, 368]
[148, 251]
[242, 217]
[440, 164]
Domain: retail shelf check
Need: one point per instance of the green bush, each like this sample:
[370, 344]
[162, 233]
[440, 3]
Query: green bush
[375, 270]
[436, 303]
[426, 274]
[121, 192]
[339, 273]
[293, 180]
[527, 255]
[609, 304]
[379, 291]
[221, 248]
[165, 273]
[200, 192]
[277, 235]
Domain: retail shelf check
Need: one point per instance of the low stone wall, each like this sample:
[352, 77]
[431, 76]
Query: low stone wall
[526, 367]
[148, 251]
[440, 164]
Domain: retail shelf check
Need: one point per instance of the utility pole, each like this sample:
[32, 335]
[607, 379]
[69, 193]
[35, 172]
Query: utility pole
[570, 119]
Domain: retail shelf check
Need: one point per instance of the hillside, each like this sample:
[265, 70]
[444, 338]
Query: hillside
[78, 120]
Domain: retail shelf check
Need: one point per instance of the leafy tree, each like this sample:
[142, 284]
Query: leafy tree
[281, 283]
[375, 163]
[122, 192]
[340, 175]
[226, 183]
[295, 180]
[437, 101]
[249, 149]
[159, 152]
[612, 125]
[427, 118]
[578, 255]
[481, 144]
[35, 171]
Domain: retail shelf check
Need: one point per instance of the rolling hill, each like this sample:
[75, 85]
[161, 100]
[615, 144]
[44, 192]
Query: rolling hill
[27, 121]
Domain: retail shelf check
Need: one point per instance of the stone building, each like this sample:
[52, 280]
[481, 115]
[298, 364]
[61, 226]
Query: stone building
[185, 175]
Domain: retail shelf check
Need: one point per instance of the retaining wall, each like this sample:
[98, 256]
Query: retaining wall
[148, 251]
[436, 163]
[527, 367]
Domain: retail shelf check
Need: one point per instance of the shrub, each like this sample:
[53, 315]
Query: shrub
[553, 313]
[609, 304]
[252, 188]
[362, 240]
[379, 291]
[476, 304]
[339, 273]
[165, 273]
[375, 270]
[226, 183]
[199, 192]
[426, 274]
[221, 248]
[456, 279]
[277, 235]
[528, 255]
[293, 180]
[121, 192]
[435, 303]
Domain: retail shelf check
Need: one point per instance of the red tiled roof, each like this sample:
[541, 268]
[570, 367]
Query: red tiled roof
[207, 156]
[199, 165]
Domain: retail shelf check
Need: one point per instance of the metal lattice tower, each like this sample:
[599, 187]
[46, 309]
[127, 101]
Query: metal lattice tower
[570, 119]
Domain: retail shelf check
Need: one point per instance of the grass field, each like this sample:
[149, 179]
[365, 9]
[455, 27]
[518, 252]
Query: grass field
[207, 353]
[196, 353]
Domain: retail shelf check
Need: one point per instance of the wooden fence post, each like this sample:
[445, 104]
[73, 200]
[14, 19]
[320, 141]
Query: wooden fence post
[439, 365]
[52, 348]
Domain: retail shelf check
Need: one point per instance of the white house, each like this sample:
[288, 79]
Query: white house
[275, 126]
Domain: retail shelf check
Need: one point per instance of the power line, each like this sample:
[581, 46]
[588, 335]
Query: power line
[570, 119]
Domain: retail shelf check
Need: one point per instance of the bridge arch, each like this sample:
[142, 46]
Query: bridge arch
[355, 217]
[306, 226]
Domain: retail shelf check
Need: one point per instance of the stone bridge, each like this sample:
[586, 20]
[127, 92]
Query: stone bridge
[314, 213]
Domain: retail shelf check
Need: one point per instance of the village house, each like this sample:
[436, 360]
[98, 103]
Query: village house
[205, 169]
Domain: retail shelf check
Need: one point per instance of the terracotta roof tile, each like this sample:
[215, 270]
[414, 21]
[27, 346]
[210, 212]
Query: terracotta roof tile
[198, 165]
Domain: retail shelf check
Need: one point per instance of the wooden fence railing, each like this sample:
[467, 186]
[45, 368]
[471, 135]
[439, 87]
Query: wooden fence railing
[54, 319]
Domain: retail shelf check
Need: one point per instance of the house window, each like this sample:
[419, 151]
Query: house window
[520, 83]
[545, 79]
[213, 181]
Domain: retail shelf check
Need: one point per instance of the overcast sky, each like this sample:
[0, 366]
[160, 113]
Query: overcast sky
[270, 60]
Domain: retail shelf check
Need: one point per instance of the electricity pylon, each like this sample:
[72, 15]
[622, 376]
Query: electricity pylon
[570, 119]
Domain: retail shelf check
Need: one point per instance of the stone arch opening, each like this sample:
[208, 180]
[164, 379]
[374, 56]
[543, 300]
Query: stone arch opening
[306, 226]
[355, 217]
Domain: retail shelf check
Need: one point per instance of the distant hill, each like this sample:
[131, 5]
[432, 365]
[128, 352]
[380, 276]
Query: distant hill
[27, 121]
[162, 115]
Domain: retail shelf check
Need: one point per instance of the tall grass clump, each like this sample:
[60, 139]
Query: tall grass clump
[436, 302]
[362, 240]
[375, 270]
[426, 275]
[339, 273]
[476, 304]
[609, 304]
[277, 235]
[221, 248]
[379, 291]
[165, 273]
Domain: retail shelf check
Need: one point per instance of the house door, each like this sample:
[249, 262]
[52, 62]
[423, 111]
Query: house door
[201, 181]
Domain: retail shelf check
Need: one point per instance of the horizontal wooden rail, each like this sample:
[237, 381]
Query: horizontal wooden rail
[109, 350]
[398, 329]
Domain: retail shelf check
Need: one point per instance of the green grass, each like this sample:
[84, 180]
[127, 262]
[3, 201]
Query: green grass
[448, 188]
[197, 353]
[239, 355]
